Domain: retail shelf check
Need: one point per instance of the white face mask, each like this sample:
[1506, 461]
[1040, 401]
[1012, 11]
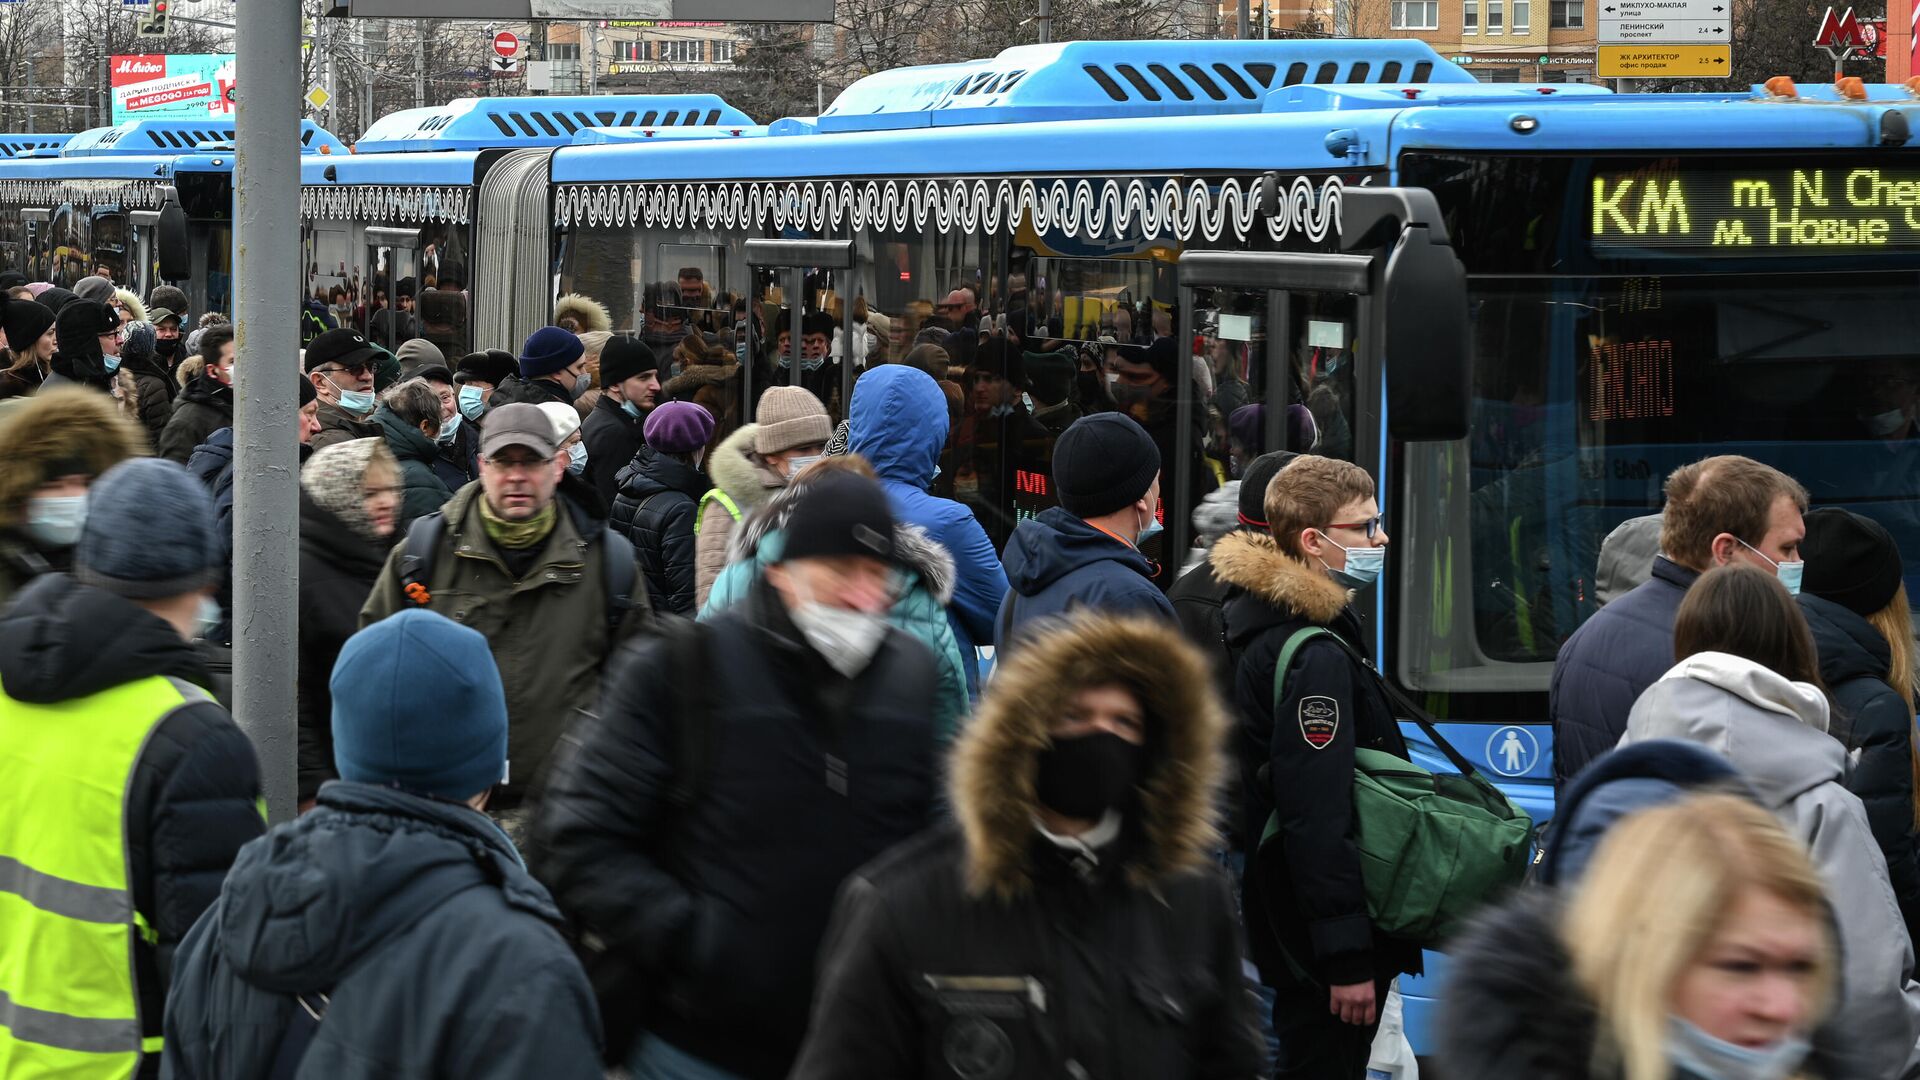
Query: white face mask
[847, 640]
[55, 520]
[794, 465]
[1883, 424]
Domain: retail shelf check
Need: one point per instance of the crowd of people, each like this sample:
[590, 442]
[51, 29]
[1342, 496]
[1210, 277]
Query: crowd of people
[628, 741]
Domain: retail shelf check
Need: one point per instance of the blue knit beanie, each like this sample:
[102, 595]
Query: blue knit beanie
[148, 533]
[417, 705]
[549, 349]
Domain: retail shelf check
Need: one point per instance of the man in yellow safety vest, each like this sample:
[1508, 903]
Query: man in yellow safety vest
[125, 791]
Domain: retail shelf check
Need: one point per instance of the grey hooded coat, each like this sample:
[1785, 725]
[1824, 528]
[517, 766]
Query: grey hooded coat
[1775, 732]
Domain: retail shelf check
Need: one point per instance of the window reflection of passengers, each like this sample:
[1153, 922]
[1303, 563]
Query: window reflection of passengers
[1143, 381]
[1890, 393]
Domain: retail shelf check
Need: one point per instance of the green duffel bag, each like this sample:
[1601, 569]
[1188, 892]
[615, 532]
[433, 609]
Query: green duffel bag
[1434, 847]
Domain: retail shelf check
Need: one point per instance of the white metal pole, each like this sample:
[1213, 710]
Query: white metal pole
[266, 501]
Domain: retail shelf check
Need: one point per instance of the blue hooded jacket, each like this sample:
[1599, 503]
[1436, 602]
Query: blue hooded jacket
[441, 954]
[899, 424]
[1057, 562]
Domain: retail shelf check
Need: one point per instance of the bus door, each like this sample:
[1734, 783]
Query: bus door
[1346, 350]
[1270, 341]
[142, 259]
[393, 255]
[793, 281]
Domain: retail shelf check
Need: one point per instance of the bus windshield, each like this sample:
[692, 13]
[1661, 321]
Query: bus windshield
[1588, 391]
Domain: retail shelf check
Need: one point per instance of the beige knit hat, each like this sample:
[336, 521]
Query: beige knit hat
[789, 416]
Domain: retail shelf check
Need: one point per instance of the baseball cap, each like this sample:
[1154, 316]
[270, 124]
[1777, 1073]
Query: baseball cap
[518, 424]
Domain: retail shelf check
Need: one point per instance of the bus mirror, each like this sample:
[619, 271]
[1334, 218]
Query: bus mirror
[170, 245]
[1421, 298]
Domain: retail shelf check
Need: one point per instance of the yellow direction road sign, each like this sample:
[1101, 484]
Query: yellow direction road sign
[1664, 61]
[318, 97]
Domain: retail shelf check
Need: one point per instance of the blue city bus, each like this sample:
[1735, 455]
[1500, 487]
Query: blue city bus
[1650, 279]
[69, 204]
[406, 206]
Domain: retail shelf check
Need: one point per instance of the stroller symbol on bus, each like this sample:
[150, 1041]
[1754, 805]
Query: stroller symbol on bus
[1512, 751]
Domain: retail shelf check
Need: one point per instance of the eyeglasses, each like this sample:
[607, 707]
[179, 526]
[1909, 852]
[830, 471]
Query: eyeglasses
[1372, 525]
[355, 370]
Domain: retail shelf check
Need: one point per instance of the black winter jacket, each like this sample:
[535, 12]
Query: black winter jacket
[441, 956]
[724, 904]
[204, 407]
[1199, 601]
[337, 570]
[655, 510]
[1512, 1008]
[212, 462]
[1608, 663]
[1305, 747]
[192, 803]
[457, 462]
[1129, 983]
[1876, 725]
[612, 437]
[422, 492]
[530, 391]
[985, 949]
[157, 391]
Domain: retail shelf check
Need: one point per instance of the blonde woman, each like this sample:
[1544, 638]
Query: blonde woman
[1697, 947]
[1856, 606]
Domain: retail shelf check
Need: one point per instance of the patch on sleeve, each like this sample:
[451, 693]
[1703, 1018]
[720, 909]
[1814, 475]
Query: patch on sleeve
[1319, 720]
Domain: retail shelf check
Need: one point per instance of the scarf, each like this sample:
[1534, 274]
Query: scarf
[517, 535]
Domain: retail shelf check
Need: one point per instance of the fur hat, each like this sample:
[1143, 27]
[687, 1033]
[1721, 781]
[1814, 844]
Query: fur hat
[59, 431]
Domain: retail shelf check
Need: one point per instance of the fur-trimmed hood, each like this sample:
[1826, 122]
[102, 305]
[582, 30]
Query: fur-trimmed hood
[136, 311]
[683, 386]
[1512, 1008]
[736, 471]
[912, 546]
[60, 425]
[996, 757]
[1253, 561]
[591, 314]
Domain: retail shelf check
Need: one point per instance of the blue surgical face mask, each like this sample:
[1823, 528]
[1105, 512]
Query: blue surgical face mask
[1148, 531]
[207, 618]
[1702, 1055]
[473, 402]
[112, 362]
[449, 430]
[577, 458]
[1363, 565]
[55, 520]
[357, 402]
[630, 409]
[1789, 573]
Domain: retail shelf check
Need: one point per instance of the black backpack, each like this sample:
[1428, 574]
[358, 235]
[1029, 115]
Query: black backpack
[423, 541]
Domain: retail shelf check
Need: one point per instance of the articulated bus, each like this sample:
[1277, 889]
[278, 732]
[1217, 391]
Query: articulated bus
[1649, 279]
[427, 189]
[99, 198]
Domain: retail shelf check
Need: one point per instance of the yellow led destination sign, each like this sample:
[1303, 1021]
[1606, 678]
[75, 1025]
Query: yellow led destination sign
[1755, 213]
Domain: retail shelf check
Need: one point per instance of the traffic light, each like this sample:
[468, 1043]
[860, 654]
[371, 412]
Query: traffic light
[155, 24]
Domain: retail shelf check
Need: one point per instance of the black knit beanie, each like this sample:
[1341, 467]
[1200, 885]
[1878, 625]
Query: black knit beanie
[1102, 463]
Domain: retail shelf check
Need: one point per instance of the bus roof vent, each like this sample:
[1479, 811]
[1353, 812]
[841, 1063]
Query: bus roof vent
[170, 138]
[502, 123]
[1097, 80]
[14, 145]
